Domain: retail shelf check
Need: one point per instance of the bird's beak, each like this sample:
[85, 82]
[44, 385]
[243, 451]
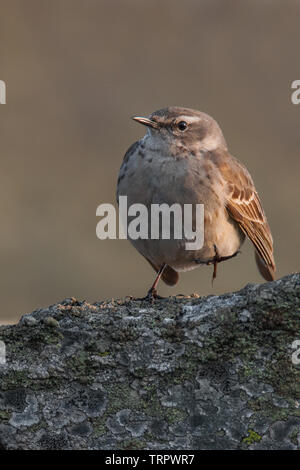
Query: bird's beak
[146, 122]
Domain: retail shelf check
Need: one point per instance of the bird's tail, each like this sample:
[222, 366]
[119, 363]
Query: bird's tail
[267, 271]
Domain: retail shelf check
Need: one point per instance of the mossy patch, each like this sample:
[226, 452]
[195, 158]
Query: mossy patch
[253, 437]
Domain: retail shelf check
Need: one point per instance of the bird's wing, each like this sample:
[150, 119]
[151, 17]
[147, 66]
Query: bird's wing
[244, 206]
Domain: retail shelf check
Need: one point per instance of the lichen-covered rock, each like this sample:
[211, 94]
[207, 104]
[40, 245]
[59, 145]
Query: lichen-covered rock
[183, 373]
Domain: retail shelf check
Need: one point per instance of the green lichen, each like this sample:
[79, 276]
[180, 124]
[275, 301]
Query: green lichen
[103, 354]
[4, 415]
[132, 444]
[99, 427]
[50, 321]
[16, 379]
[294, 437]
[175, 415]
[252, 438]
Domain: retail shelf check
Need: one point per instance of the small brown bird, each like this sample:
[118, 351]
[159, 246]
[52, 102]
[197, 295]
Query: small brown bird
[183, 158]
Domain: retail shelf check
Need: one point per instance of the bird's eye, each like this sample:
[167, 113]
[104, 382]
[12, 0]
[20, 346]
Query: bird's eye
[182, 126]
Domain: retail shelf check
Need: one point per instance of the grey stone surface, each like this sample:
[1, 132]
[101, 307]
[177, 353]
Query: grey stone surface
[183, 373]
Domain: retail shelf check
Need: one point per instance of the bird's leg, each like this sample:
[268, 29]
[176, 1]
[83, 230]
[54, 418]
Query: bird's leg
[152, 292]
[215, 260]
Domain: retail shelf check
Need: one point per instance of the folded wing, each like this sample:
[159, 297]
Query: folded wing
[244, 206]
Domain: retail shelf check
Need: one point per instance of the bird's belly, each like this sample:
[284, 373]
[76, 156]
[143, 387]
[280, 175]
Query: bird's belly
[222, 233]
[169, 182]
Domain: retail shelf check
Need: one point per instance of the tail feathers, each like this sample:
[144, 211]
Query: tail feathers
[169, 275]
[267, 271]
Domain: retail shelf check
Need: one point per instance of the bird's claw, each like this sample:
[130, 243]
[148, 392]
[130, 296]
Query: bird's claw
[151, 296]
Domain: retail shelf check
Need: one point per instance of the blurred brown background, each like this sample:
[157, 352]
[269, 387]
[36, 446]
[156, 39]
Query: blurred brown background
[76, 70]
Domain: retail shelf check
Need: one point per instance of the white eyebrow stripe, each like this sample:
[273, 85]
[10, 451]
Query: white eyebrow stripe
[189, 119]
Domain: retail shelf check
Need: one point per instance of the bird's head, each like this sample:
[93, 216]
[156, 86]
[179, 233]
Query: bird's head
[184, 127]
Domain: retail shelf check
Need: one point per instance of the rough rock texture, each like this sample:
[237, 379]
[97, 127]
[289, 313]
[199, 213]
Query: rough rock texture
[184, 373]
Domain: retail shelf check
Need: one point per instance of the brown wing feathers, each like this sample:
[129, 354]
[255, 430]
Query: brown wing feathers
[244, 206]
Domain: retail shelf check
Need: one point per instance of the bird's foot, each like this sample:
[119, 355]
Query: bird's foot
[218, 258]
[215, 260]
[151, 296]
